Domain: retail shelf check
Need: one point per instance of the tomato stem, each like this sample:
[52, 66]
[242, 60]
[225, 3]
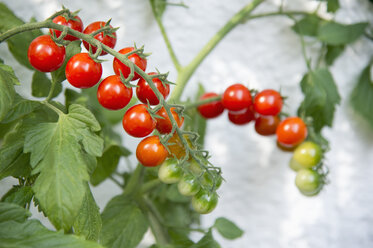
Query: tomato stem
[150, 185]
[201, 102]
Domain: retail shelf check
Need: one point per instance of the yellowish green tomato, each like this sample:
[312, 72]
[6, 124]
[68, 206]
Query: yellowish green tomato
[188, 185]
[308, 154]
[208, 180]
[308, 182]
[170, 171]
[204, 202]
[294, 165]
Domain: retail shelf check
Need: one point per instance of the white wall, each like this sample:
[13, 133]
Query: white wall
[259, 193]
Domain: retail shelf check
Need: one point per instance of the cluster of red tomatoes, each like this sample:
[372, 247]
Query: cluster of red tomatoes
[264, 108]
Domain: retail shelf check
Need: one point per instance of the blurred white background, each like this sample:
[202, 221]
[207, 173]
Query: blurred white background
[259, 193]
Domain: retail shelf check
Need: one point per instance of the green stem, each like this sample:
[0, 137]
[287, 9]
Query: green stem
[59, 112]
[135, 181]
[150, 185]
[50, 94]
[201, 102]
[116, 181]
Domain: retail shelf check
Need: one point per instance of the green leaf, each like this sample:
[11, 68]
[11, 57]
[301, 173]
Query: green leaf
[362, 95]
[20, 195]
[320, 98]
[227, 228]
[179, 239]
[41, 85]
[20, 108]
[333, 52]
[7, 19]
[174, 195]
[339, 34]
[308, 25]
[7, 92]
[333, 5]
[207, 241]
[12, 212]
[88, 222]
[57, 153]
[71, 49]
[123, 223]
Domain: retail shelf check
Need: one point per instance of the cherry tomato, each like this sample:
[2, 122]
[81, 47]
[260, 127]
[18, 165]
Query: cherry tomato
[82, 71]
[236, 97]
[204, 202]
[136, 59]
[108, 40]
[266, 125]
[137, 121]
[150, 152]
[268, 102]
[170, 171]
[308, 182]
[75, 23]
[45, 55]
[145, 93]
[294, 165]
[241, 117]
[208, 180]
[308, 154]
[176, 147]
[113, 94]
[286, 148]
[164, 125]
[188, 185]
[291, 131]
[212, 109]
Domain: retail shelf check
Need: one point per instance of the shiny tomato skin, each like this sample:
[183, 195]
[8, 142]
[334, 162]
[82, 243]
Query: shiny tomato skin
[105, 39]
[164, 125]
[309, 182]
[236, 97]
[136, 59]
[45, 55]
[137, 121]
[75, 24]
[145, 93]
[150, 152]
[82, 71]
[212, 109]
[241, 117]
[268, 102]
[204, 202]
[266, 125]
[113, 94]
[291, 131]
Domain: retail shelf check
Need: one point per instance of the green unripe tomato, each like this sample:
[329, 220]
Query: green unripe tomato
[170, 171]
[294, 165]
[308, 182]
[208, 181]
[204, 202]
[308, 154]
[188, 185]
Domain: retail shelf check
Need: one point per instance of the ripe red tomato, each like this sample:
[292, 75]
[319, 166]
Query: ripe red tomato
[136, 59]
[164, 125]
[241, 117]
[266, 125]
[137, 121]
[268, 102]
[236, 97]
[113, 94]
[75, 23]
[45, 55]
[212, 109]
[150, 152]
[145, 93]
[291, 131]
[82, 71]
[107, 40]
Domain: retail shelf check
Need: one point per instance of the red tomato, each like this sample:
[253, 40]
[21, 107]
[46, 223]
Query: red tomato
[137, 121]
[164, 125]
[291, 131]
[75, 23]
[212, 109]
[113, 94]
[145, 93]
[150, 152]
[236, 97]
[45, 55]
[241, 117]
[268, 102]
[266, 125]
[136, 59]
[107, 40]
[82, 71]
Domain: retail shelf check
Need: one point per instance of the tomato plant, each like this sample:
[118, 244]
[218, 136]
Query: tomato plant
[268, 102]
[164, 124]
[170, 171]
[266, 125]
[73, 23]
[107, 39]
[113, 94]
[212, 109]
[145, 94]
[308, 182]
[150, 152]
[120, 68]
[308, 154]
[138, 122]
[291, 131]
[241, 117]
[236, 97]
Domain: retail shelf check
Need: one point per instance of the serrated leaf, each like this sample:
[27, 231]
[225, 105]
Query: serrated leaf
[20, 108]
[339, 34]
[12, 212]
[333, 5]
[207, 241]
[123, 223]
[320, 98]
[106, 164]
[20, 195]
[7, 91]
[362, 96]
[308, 25]
[57, 155]
[332, 53]
[88, 222]
[41, 85]
[71, 49]
[227, 228]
